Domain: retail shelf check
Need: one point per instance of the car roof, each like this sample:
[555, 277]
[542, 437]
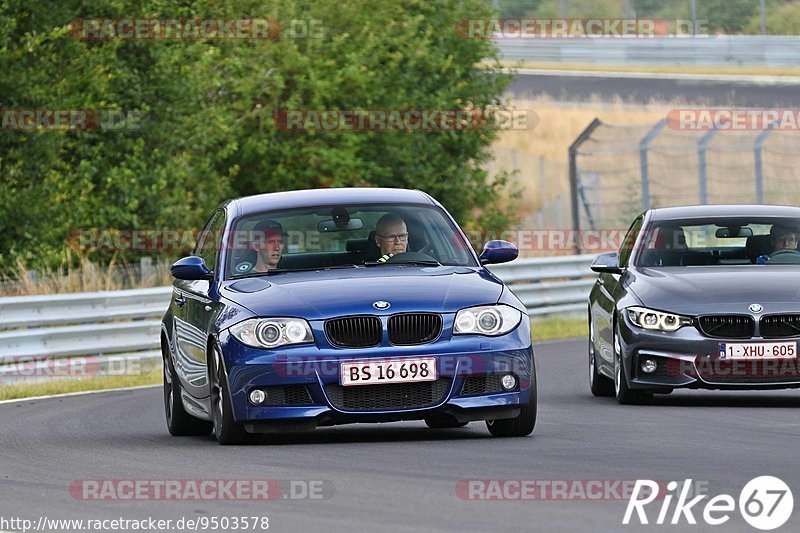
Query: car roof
[332, 196]
[732, 211]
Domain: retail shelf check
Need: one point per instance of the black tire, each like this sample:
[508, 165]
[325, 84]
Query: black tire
[179, 422]
[599, 384]
[444, 422]
[522, 424]
[226, 430]
[625, 395]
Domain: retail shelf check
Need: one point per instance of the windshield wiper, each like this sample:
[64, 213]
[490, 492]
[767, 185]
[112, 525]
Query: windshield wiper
[432, 262]
[285, 270]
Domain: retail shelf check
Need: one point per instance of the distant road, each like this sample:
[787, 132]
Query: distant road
[580, 87]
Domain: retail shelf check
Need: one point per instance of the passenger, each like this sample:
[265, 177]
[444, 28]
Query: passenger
[783, 238]
[391, 236]
[268, 245]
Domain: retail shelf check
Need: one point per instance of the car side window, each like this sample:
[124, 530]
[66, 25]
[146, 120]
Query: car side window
[630, 240]
[209, 241]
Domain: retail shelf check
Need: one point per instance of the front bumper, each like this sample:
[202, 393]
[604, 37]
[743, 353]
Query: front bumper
[688, 359]
[468, 370]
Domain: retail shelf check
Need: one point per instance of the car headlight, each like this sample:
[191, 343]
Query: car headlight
[272, 332]
[489, 320]
[657, 320]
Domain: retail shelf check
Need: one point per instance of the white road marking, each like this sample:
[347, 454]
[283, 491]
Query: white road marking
[67, 394]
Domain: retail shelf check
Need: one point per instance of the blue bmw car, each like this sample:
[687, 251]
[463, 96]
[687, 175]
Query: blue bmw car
[320, 307]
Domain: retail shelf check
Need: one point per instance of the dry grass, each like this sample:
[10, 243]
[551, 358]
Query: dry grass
[86, 277]
[541, 153]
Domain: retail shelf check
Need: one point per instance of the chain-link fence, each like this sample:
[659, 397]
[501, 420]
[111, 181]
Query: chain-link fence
[618, 171]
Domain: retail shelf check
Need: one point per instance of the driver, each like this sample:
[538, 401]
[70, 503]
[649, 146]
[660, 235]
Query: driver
[783, 238]
[391, 236]
[268, 245]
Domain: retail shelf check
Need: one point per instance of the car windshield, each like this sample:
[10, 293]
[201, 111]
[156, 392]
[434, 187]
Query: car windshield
[719, 242]
[344, 236]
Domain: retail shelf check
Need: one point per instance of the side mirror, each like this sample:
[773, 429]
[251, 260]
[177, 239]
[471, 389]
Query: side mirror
[608, 263]
[191, 268]
[496, 252]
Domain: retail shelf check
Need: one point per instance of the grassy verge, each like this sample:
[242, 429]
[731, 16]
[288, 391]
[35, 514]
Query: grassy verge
[548, 329]
[86, 276]
[60, 386]
[677, 69]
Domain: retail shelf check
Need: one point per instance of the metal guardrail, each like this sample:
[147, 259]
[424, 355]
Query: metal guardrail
[722, 50]
[551, 285]
[113, 332]
[41, 336]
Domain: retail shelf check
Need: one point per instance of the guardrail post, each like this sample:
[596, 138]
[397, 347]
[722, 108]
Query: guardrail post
[702, 151]
[573, 177]
[758, 147]
[644, 145]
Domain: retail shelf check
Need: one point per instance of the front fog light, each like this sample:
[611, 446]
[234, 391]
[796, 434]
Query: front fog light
[257, 396]
[649, 366]
[508, 381]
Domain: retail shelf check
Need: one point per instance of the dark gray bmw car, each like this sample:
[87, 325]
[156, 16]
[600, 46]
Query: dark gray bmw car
[698, 297]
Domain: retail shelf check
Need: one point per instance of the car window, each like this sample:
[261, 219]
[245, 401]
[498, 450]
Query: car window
[716, 242]
[629, 241]
[341, 236]
[210, 239]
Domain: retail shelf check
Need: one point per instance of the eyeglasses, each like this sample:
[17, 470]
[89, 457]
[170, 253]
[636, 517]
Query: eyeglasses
[395, 237]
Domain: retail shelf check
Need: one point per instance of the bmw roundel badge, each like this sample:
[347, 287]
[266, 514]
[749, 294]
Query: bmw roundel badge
[381, 305]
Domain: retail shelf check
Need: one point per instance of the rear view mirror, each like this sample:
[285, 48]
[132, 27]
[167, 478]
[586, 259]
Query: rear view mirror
[327, 226]
[733, 232]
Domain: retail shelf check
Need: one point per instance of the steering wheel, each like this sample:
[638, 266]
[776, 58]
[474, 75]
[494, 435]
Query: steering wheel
[786, 257]
[409, 257]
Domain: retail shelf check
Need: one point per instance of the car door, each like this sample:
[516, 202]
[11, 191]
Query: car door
[609, 289]
[199, 308]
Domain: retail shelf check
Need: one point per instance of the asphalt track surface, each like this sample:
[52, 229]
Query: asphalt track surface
[403, 476]
[643, 91]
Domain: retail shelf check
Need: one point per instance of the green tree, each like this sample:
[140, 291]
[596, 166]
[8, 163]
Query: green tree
[207, 130]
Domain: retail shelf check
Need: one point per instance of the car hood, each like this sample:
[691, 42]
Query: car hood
[700, 290]
[329, 293]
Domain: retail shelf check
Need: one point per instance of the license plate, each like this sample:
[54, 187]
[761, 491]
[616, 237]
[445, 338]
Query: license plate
[758, 350]
[388, 371]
